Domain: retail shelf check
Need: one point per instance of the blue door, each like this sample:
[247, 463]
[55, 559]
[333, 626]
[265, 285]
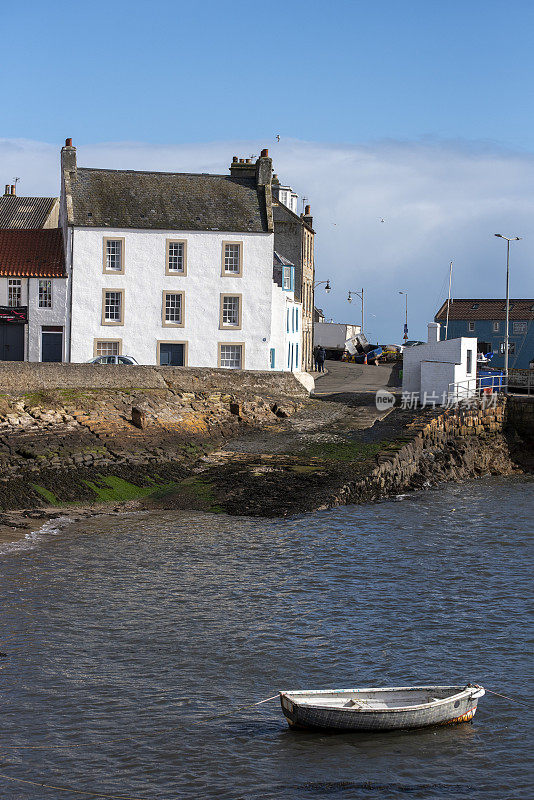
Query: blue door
[11, 342]
[51, 345]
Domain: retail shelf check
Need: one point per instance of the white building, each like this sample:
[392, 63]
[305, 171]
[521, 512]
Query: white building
[33, 292]
[440, 369]
[176, 268]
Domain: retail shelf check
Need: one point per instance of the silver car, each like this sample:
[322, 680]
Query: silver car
[130, 360]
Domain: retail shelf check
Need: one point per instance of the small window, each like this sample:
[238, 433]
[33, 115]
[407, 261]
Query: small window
[45, 294]
[296, 356]
[272, 358]
[495, 327]
[232, 258]
[287, 282]
[519, 327]
[231, 356]
[14, 292]
[107, 347]
[471, 326]
[475, 305]
[113, 255]
[176, 257]
[469, 367]
[296, 319]
[113, 308]
[173, 308]
[287, 314]
[230, 316]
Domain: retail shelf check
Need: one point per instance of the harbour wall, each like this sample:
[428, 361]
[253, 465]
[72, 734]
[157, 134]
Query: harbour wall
[22, 377]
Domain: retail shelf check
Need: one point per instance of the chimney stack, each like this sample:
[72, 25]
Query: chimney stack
[68, 159]
[8, 190]
[264, 169]
[307, 217]
[433, 332]
[13, 191]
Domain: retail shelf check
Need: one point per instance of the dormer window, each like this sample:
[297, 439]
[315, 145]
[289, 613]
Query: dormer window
[475, 305]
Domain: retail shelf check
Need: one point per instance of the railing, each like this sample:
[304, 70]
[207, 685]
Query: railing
[477, 387]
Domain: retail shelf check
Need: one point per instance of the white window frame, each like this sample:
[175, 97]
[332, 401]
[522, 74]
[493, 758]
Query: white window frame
[496, 327]
[107, 347]
[108, 255]
[170, 243]
[105, 305]
[471, 327]
[222, 310]
[44, 295]
[14, 292]
[167, 306]
[233, 273]
[225, 360]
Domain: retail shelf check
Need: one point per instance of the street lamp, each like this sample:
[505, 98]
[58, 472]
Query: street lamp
[358, 294]
[508, 240]
[405, 337]
[326, 288]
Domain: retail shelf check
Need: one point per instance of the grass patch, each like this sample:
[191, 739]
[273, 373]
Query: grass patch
[111, 489]
[50, 497]
[197, 492]
[344, 451]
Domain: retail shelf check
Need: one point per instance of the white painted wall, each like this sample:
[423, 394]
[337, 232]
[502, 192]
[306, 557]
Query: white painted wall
[144, 281]
[333, 334]
[432, 367]
[286, 309]
[37, 317]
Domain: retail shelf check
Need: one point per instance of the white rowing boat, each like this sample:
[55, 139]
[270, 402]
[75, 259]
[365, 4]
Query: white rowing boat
[381, 709]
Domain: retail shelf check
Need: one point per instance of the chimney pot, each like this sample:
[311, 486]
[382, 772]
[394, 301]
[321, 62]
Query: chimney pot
[235, 159]
[8, 190]
[265, 153]
[12, 188]
[307, 211]
[68, 142]
[241, 160]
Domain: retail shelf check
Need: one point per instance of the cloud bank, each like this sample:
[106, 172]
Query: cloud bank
[440, 202]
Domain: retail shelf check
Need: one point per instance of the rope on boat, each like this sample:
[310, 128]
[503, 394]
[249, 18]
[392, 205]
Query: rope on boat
[233, 710]
[512, 699]
[87, 793]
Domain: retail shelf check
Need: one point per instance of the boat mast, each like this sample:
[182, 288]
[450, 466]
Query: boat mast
[448, 300]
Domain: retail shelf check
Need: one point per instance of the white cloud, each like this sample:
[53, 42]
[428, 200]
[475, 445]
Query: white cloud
[441, 201]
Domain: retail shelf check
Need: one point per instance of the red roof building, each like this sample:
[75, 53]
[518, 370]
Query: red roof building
[33, 253]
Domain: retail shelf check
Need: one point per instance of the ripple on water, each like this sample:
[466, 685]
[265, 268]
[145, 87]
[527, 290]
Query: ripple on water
[126, 634]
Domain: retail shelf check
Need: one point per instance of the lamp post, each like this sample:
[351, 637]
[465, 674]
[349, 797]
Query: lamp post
[507, 324]
[405, 337]
[326, 288]
[358, 294]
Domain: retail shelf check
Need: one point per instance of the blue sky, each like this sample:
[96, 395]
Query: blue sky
[384, 109]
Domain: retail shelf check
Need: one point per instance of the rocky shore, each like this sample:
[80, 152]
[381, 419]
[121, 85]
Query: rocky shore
[90, 451]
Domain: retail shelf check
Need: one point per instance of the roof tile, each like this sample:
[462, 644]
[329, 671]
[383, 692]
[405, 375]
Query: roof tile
[34, 253]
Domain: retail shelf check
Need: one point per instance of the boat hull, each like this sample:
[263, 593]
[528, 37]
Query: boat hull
[457, 710]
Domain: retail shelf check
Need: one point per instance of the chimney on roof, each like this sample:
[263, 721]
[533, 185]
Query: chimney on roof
[8, 190]
[264, 169]
[307, 216]
[68, 159]
[13, 190]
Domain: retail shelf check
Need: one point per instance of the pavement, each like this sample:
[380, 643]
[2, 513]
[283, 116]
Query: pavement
[343, 378]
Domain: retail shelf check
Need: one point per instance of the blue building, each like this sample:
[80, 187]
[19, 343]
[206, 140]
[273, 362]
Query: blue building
[486, 319]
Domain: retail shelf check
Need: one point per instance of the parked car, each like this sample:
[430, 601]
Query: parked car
[130, 360]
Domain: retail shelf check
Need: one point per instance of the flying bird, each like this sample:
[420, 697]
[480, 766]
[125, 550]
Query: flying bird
[277, 137]
[382, 219]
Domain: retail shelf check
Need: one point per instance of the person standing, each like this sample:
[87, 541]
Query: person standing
[321, 355]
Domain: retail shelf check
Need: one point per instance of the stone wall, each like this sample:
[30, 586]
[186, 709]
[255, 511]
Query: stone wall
[21, 377]
[457, 444]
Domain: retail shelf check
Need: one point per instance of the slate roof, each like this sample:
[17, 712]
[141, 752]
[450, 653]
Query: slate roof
[25, 212]
[107, 198]
[279, 260]
[35, 253]
[473, 310]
